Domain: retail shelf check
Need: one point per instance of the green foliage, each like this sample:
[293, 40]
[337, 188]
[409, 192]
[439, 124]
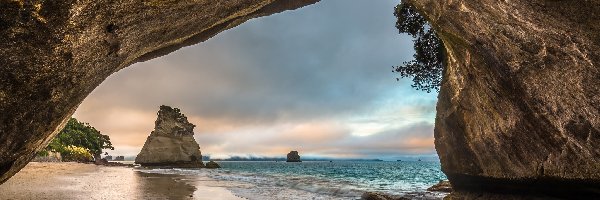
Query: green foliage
[428, 64]
[73, 153]
[77, 136]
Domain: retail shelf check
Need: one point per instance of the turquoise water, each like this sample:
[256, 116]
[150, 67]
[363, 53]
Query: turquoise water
[394, 177]
[388, 177]
[321, 180]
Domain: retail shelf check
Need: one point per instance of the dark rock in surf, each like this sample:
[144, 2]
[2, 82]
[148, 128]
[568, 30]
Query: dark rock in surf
[212, 165]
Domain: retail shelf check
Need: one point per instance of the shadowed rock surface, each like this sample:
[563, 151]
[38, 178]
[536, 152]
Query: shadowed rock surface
[519, 106]
[293, 156]
[212, 165]
[54, 53]
[442, 186]
[171, 143]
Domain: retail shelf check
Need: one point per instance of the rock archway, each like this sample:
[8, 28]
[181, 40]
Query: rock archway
[518, 109]
[519, 103]
[54, 53]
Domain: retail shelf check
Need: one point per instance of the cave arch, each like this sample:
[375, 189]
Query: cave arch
[508, 109]
[57, 52]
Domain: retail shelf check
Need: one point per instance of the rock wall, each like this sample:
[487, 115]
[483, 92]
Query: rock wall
[519, 107]
[54, 53]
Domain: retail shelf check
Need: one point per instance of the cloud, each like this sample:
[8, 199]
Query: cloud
[321, 73]
[324, 139]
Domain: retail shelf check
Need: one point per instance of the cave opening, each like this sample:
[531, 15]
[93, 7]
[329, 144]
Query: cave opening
[504, 118]
[316, 80]
[276, 73]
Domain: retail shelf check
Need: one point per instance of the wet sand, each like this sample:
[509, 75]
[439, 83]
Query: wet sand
[87, 181]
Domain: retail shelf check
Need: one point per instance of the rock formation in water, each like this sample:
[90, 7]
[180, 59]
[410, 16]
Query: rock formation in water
[212, 165]
[54, 53]
[519, 106]
[171, 143]
[293, 157]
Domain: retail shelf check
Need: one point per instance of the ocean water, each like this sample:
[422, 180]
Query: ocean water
[322, 180]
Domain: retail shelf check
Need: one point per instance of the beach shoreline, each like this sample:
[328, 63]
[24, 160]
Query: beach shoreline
[69, 180]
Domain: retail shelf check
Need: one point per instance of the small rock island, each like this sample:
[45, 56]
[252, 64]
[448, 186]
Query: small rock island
[293, 157]
[171, 143]
[212, 165]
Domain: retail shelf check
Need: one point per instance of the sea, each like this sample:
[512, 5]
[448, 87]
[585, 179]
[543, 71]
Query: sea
[321, 179]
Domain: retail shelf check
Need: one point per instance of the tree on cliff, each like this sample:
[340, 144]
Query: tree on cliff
[428, 64]
[77, 138]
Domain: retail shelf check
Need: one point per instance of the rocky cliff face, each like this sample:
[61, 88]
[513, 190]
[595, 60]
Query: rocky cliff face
[54, 53]
[519, 107]
[171, 143]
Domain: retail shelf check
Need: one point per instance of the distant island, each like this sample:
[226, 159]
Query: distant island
[293, 156]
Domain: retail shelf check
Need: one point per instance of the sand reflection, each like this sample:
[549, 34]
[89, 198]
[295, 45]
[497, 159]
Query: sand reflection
[163, 186]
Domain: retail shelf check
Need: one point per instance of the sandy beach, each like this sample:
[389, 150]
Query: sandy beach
[86, 181]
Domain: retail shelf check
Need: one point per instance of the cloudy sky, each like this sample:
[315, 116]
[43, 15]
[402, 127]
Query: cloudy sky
[318, 80]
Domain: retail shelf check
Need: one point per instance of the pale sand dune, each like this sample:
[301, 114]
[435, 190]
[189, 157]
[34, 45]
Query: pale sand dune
[86, 181]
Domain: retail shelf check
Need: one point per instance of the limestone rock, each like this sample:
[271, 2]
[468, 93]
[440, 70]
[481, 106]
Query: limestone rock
[212, 165]
[293, 157]
[442, 186]
[171, 143]
[54, 53]
[519, 106]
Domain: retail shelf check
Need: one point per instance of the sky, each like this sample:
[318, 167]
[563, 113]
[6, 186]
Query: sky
[317, 80]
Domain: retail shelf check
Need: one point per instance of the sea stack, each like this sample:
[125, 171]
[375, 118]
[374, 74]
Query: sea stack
[293, 157]
[171, 143]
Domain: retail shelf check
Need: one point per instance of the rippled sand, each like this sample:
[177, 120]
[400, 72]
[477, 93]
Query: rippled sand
[86, 181]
